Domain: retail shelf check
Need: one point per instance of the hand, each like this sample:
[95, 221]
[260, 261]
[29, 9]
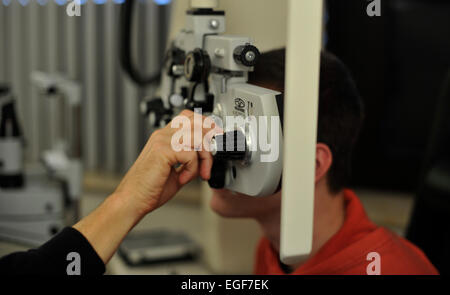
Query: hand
[153, 180]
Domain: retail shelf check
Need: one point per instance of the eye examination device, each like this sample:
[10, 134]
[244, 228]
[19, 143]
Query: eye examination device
[206, 71]
[269, 138]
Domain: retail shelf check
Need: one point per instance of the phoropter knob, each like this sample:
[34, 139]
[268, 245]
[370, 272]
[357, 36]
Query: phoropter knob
[197, 66]
[218, 174]
[229, 146]
[246, 55]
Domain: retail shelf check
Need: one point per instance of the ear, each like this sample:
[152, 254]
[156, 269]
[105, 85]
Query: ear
[324, 159]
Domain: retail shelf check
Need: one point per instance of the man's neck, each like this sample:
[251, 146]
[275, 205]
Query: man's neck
[329, 216]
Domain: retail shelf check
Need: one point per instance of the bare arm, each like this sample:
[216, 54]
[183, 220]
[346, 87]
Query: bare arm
[150, 183]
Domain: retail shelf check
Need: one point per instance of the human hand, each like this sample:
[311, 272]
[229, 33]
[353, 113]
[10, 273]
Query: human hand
[160, 171]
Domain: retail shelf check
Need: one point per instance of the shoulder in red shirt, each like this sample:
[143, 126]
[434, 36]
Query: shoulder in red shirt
[346, 252]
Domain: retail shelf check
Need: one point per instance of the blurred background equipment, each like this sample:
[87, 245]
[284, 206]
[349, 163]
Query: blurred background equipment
[35, 200]
[11, 142]
[157, 246]
[62, 159]
[31, 205]
[40, 36]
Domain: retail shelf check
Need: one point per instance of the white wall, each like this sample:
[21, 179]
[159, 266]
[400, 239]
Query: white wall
[262, 20]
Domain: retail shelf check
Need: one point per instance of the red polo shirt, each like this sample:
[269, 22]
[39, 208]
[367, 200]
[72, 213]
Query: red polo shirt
[346, 252]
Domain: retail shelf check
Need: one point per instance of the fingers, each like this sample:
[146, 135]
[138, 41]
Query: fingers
[191, 133]
[190, 166]
[206, 162]
[193, 122]
[201, 128]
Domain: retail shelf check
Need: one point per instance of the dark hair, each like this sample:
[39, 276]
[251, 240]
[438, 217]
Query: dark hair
[341, 109]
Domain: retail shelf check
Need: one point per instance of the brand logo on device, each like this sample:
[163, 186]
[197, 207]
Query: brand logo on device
[239, 104]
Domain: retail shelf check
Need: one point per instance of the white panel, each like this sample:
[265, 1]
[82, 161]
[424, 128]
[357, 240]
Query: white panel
[301, 107]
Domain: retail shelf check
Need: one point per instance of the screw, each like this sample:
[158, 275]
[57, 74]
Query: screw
[214, 24]
[250, 56]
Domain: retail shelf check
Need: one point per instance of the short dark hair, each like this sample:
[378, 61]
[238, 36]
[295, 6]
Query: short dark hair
[341, 110]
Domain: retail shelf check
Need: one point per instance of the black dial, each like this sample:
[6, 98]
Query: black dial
[246, 55]
[218, 172]
[197, 66]
[229, 146]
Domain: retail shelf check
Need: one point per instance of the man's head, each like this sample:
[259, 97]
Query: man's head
[339, 122]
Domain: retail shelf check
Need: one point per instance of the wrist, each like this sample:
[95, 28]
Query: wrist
[107, 225]
[129, 207]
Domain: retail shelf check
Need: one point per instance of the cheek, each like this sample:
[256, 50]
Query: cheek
[227, 204]
[218, 206]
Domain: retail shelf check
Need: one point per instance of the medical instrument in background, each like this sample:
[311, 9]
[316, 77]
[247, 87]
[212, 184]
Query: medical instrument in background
[11, 142]
[48, 199]
[158, 246]
[206, 70]
[30, 204]
[63, 158]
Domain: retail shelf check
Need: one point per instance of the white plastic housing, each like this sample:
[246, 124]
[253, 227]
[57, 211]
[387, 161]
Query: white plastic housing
[220, 49]
[300, 121]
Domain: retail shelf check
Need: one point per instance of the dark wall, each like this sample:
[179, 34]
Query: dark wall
[399, 61]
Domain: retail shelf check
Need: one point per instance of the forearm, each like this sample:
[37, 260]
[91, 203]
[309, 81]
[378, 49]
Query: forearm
[106, 226]
[149, 184]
